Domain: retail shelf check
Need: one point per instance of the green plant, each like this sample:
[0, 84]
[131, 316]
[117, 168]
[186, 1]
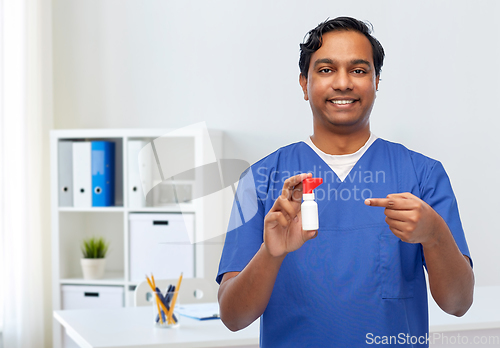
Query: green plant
[94, 248]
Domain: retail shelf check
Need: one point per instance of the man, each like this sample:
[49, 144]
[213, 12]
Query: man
[361, 275]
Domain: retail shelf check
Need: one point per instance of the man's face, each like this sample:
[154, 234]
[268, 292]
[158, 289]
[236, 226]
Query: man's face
[341, 82]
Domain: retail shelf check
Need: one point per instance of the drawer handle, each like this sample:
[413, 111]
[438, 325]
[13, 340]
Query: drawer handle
[91, 294]
[159, 222]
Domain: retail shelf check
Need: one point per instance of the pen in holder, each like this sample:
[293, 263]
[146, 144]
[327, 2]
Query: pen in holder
[162, 304]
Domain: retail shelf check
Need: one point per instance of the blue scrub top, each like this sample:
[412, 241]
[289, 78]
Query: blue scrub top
[356, 283]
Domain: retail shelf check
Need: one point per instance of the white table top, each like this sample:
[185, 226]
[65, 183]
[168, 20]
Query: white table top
[483, 314]
[132, 327]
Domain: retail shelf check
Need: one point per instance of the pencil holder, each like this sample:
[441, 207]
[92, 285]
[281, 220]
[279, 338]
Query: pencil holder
[163, 302]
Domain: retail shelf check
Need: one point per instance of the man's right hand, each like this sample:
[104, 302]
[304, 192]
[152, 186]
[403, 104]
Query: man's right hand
[244, 296]
[283, 223]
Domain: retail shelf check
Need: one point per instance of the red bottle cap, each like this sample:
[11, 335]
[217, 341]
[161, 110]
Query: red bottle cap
[310, 184]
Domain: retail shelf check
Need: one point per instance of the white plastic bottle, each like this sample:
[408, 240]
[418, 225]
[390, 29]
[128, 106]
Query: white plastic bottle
[309, 207]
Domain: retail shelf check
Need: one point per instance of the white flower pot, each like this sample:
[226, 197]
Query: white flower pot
[93, 268]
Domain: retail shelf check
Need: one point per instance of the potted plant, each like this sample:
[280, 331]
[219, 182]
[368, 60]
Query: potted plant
[94, 252]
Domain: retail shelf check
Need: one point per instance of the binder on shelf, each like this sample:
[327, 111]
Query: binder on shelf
[65, 173]
[82, 179]
[103, 173]
[136, 196]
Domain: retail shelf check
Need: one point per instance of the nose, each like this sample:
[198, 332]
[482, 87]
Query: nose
[342, 81]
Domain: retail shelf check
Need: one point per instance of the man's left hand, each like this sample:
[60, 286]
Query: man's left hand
[409, 218]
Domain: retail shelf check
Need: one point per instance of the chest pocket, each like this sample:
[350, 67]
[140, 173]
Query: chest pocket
[399, 262]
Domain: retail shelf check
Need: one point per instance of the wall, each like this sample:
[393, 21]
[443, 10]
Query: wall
[233, 64]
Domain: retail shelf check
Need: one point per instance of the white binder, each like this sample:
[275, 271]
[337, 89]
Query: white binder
[65, 173]
[82, 174]
[136, 196]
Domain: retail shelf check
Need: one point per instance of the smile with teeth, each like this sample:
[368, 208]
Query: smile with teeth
[342, 101]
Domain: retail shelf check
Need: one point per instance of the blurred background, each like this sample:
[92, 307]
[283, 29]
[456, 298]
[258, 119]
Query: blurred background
[234, 65]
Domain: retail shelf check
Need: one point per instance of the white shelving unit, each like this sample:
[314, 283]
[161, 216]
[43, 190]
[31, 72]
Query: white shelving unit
[70, 224]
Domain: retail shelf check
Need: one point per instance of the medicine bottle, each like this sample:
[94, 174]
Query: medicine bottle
[309, 207]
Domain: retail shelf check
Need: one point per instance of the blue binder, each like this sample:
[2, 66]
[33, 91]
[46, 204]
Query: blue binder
[103, 173]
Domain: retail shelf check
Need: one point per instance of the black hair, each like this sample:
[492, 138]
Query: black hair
[315, 39]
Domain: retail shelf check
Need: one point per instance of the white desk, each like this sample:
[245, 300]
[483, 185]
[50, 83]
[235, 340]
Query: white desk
[483, 314]
[132, 327]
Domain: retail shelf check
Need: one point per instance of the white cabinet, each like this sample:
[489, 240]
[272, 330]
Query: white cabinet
[159, 244]
[85, 296]
[82, 296]
[164, 224]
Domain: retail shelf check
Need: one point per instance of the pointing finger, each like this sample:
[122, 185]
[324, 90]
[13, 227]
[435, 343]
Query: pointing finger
[395, 202]
[380, 202]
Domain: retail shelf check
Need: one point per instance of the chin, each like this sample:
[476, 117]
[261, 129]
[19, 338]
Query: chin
[344, 122]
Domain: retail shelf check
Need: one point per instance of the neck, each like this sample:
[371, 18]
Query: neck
[340, 143]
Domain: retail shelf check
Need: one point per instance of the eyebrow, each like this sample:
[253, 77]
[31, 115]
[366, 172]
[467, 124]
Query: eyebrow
[331, 61]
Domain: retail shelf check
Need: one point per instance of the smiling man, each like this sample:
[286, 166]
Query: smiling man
[386, 214]
[340, 85]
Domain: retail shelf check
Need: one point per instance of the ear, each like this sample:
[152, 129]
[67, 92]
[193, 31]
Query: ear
[303, 84]
[377, 79]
